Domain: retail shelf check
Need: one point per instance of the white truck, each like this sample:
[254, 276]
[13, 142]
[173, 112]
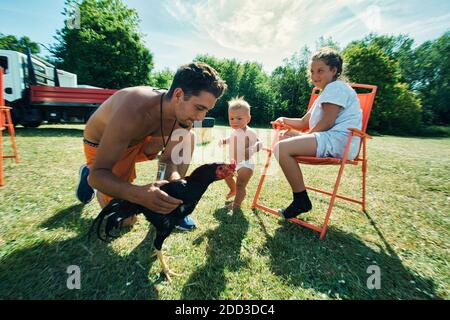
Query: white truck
[39, 92]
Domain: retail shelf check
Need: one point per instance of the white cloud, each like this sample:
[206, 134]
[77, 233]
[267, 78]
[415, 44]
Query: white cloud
[269, 25]
[421, 29]
[270, 30]
[246, 26]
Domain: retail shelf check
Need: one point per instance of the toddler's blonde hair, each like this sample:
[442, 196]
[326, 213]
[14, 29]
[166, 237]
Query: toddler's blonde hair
[238, 103]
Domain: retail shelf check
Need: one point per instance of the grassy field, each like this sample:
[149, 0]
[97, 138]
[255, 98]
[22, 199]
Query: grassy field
[248, 255]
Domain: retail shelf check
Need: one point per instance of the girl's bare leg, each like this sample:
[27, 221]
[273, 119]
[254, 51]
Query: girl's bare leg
[286, 151]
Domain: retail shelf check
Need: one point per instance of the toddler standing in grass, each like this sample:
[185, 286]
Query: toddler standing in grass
[243, 143]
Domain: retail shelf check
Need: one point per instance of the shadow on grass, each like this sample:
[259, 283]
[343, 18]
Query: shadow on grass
[48, 132]
[39, 271]
[223, 249]
[338, 265]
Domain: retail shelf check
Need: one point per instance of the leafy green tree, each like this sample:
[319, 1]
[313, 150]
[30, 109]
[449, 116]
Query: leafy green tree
[396, 109]
[10, 42]
[432, 78]
[292, 86]
[397, 48]
[220, 110]
[232, 71]
[407, 111]
[246, 80]
[327, 42]
[161, 79]
[255, 88]
[106, 50]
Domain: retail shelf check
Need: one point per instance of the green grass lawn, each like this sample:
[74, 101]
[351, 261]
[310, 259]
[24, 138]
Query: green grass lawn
[248, 255]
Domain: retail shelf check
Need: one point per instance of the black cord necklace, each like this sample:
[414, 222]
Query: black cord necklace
[165, 142]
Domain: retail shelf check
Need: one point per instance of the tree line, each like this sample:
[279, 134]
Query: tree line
[413, 81]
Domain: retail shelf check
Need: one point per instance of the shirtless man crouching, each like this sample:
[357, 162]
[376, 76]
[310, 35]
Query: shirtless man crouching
[135, 124]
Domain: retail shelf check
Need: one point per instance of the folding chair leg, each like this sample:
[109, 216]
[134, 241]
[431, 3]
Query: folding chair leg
[266, 166]
[261, 180]
[1, 158]
[327, 217]
[12, 135]
[364, 169]
[331, 204]
[333, 197]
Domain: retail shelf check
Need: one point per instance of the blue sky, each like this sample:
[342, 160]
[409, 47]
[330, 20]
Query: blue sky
[266, 31]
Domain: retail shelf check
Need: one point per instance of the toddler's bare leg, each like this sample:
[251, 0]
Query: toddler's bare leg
[232, 185]
[244, 175]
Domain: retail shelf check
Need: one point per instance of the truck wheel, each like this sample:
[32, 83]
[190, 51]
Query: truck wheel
[31, 124]
[15, 116]
[31, 118]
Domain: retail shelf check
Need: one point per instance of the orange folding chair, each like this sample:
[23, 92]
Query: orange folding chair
[6, 123]
[366, 101]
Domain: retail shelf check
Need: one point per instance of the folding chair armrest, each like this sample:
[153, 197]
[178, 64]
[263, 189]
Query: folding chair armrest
[277, 126]
[359, 133]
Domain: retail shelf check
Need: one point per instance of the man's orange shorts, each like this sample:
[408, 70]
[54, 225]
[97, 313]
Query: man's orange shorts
[125, 168]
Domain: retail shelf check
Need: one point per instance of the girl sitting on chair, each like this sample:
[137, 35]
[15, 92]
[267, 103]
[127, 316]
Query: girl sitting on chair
[326, 123]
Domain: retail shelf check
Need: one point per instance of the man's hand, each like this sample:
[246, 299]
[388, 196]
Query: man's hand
[160, 183]
[153, 198]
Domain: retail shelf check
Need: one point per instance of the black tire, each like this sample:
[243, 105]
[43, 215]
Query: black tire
[17, 112]
[31, 118]
[31, 124]
[15, 117]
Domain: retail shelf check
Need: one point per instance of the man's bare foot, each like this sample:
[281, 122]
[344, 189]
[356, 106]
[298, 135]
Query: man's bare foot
[128, 222]
[231, 194]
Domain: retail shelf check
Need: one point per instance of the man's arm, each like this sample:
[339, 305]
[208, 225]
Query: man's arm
[124, 126]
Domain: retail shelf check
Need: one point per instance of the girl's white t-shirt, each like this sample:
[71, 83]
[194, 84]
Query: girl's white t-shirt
[339, 93]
